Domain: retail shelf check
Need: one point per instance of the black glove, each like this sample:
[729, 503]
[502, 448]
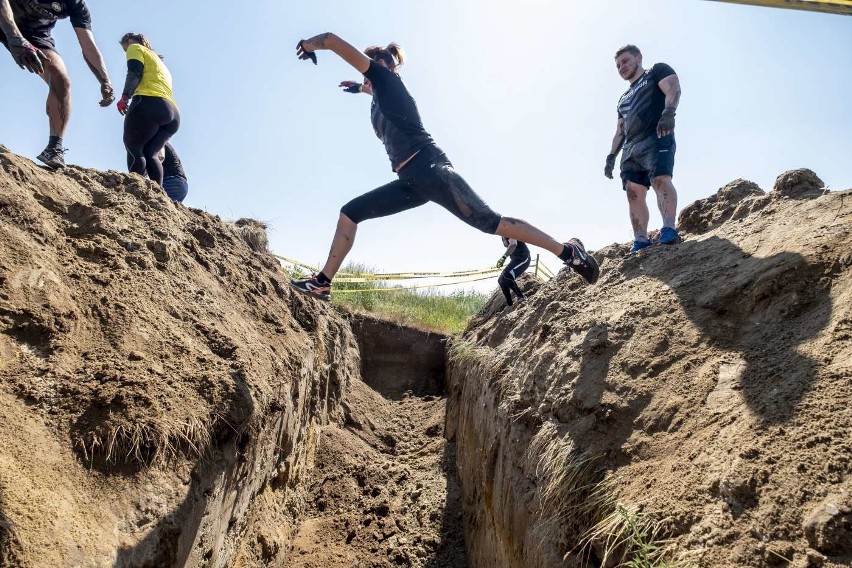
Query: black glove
[26, 55]
[351, 87]
[666, 124]
[610, 165]
[303, 54]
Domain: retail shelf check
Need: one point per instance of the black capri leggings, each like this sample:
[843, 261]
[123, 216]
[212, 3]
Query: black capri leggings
[429, 176]
[149, 124]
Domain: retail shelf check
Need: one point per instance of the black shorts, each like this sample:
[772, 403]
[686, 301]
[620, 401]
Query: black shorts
[429, 176]
[646, 159]
[41, 40]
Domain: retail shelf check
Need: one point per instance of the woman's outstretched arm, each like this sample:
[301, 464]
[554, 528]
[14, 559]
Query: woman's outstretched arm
[306, 48]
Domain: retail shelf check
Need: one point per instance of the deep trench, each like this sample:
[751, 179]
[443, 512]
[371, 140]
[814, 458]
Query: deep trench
[384, 490]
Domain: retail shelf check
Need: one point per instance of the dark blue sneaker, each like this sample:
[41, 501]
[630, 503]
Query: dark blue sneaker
[312, 287]
[668, 236]
[582, 262]
[639, 245]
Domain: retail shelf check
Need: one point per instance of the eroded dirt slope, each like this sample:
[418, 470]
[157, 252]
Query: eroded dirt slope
[161, 390]
[710, 381]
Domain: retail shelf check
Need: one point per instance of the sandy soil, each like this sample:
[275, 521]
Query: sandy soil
[384, 491]
[710, 379]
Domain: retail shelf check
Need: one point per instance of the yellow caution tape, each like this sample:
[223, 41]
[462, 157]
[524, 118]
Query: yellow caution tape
[348, 277]
[402, 288]
[830, 6]
[458, 277]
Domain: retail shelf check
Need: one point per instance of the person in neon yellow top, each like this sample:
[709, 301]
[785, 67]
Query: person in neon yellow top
[152, 117]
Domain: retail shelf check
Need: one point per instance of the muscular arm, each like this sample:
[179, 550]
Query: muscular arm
[670, 86]
[618, 138]
[513, 244]
[7, 20]
[92, 55]
[345, 50]
[23, 52]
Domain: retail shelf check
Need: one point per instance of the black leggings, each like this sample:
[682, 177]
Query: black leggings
[429, 176]
[149, 124]
[507, 278]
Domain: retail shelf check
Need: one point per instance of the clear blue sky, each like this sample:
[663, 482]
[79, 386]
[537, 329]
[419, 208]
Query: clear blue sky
[521, 96]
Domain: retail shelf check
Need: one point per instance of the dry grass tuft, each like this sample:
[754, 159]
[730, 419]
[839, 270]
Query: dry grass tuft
[253, 233]
[474, 358]
[152, 442]
[483, 362]
[574, 494]
[578, 504]
[629, 539]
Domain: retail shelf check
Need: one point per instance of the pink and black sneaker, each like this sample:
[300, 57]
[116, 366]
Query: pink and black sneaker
[312, 287]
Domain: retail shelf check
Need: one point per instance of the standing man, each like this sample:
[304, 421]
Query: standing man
[646, 121]
[25, 27]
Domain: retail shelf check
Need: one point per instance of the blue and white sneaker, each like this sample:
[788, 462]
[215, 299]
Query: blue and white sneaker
[639, 245]
[668, 236]
[582, 263]
[312, 287]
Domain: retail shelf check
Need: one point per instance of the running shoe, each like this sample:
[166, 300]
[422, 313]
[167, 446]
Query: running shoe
[312, 287]
[668, 236]
[639, 245]
[582, 263]
[53, 157]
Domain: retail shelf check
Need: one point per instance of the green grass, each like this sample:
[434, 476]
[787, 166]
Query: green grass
[427, 308]
[631, 539]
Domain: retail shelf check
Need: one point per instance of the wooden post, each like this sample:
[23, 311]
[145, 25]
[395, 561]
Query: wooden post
[536, 265]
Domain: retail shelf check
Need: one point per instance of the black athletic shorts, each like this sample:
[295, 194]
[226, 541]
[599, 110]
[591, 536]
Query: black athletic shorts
[429, 176]
[40, 40]
[646, 159]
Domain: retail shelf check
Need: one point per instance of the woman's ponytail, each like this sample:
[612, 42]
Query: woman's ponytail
[396, 51]
[139, 38]
[392, 55]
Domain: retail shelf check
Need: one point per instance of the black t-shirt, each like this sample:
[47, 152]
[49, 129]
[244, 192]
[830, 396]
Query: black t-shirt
[37, 18]
[521, 252]
[171, 163]
[394, 115]
[643, 103]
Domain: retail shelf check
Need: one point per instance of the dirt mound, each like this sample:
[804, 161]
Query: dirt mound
[799, 184]
[708, 382]
[161, 389]
[706, 214]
